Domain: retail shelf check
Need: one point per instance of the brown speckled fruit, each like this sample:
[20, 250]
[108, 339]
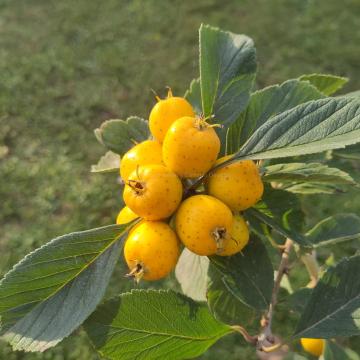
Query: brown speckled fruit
[151, 250]
[203, 223]
[238, 184]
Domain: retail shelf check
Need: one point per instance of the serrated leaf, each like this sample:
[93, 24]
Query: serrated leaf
[48, 294]
[334, 306]
[306, 172]
[266, 103]
[241, 273]
[153, 325]
[309, 188]
[227, 307]
[110, 162]
[312, 127]
[335, 229]
[333, 351]
[193, 95]
[227, 72]
[119, 135]
[191, 273]
[327, 84]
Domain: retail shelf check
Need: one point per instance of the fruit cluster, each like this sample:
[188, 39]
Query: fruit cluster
[158, 174]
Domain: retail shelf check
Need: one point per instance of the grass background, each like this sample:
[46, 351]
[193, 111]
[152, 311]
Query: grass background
[66, 66]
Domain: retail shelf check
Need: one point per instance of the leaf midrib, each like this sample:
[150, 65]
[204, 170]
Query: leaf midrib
[357, 297]
[187, 337]
[111, 243]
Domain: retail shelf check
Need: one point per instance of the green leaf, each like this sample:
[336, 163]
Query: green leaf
[282, 212]
[349, 153]
[110, 162]
[327, 84]
[191, 272]
[48, 294]
[277, 226]
[335, 352]
[227, 72]
[335, 229]
[266, 103]
[250, 283]
[298, 300]
[306, 172]
[227, 307]
[355, 94]
[312, 127]
[309, 188]
[153, 325]
[193, 95]
[334, 306]
[119, 135]
[294, 356]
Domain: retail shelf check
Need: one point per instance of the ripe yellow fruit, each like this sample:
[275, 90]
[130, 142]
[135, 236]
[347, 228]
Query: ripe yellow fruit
[239, 237]
[190, 147]
[151, 250]
[153, 192]
[313, 346]
[238, 185]
[145, 153]
[125, 216]
[165, 112]
[203, 223]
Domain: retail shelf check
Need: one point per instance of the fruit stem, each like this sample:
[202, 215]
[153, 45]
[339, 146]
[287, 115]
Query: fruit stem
[157, 97]
[248, 338]
[170, 94]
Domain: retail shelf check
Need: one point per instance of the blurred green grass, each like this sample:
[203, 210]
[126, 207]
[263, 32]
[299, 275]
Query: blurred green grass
[66, 66]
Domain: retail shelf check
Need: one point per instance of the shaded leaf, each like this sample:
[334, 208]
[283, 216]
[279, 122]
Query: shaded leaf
[355, 94]
[276, 226]
[335, 352]
[193, 95]
[327, 84]
[349, 153]
[119, 135]
[335, 229]
[334, 306]
[191, 272]
[306, 172]
[266, 103]
[153, 325]
[309, 188]
[312, 127]
[227, 307]
[48, 294]
[110, 162]
[297, 301]
[227, 71]
[242, 275]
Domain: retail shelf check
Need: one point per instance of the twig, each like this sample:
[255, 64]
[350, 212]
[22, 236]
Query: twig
[283, 269]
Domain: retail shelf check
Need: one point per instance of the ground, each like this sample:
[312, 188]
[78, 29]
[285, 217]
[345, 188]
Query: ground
[66, 66]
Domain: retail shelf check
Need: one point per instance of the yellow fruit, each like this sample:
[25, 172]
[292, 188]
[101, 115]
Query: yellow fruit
[239, 237]
[313, 346]
[151, 250]
[203, 223]
[125, 216]
[238, 185]
[145, 153]
[190, 147]
[153, 192]
[165, 112]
